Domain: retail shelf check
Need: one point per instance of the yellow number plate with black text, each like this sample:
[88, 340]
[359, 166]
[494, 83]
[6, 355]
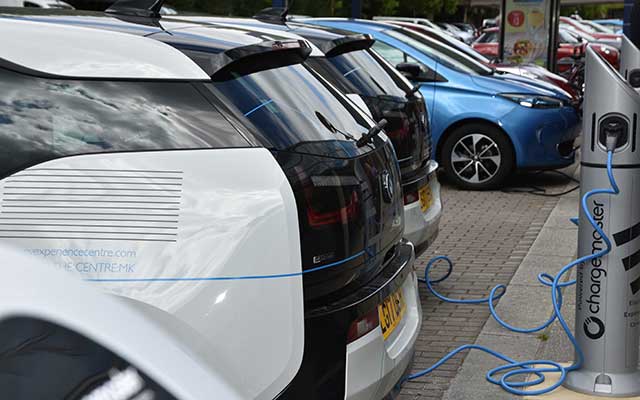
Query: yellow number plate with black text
[391, 312]
[426, 198]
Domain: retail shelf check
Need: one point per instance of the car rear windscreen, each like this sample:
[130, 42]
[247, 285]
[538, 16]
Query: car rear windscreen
[289, 107]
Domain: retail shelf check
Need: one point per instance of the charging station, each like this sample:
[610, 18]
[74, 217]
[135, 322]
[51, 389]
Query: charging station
[607, 294]
[630, 62]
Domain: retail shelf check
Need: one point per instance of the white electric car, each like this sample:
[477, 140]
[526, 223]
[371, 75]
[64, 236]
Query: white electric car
[199, 189]
[55, 4]
[54, 345]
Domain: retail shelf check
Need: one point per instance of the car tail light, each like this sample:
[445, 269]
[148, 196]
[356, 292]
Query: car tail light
[340, 215]
[363, 325]
[411, 197]
[402, 133]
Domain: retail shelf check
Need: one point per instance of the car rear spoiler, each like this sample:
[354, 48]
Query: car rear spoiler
[257, 57]
[347, 44]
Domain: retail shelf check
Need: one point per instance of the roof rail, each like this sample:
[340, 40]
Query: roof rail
[137, 8]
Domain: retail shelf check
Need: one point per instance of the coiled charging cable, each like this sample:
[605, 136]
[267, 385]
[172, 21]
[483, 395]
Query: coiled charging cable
[513, 368]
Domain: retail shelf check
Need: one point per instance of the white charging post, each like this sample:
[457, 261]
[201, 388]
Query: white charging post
[608, 288]
[630, 62]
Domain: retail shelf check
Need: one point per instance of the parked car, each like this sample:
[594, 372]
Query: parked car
[614, 25]
[419, 21]
[529, 71]
[62, 339]
[506, 73]
[597, 27]
[483, 127]
[568, 48]
[278, 174]
[583, 28]
[347, 62]
[491, 22]
[36, 4]
[608, 52]
[467, 27]
[584, 38]
[462, 35]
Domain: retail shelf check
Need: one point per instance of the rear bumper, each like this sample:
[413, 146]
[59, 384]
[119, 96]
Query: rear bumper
[421, 228]
[375, 366]
[369, 367]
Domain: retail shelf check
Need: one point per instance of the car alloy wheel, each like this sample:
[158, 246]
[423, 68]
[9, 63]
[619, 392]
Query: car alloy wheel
[475, 158]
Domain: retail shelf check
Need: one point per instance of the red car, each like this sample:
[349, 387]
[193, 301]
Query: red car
[487, 45]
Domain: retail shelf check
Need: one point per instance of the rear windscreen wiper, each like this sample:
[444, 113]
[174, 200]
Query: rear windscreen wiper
[373, 132]
[413, 90]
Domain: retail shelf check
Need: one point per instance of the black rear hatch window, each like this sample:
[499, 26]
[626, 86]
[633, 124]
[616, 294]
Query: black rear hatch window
[289, 109]
[387, 97]
[348, 196]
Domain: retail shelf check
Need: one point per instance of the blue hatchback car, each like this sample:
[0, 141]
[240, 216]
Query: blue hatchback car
[483, 127]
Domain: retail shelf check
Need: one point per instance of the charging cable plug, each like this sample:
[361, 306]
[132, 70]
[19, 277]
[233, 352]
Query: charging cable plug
[611, 141]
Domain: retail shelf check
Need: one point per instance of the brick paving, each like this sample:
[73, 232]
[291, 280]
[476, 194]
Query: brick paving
[487, 235]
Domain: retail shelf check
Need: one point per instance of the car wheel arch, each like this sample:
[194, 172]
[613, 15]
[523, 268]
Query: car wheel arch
[459, 123]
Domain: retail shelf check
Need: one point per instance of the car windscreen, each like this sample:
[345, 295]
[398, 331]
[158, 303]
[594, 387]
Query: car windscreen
[290, 106]
[445, 55]
[364, 75]
[456, 44]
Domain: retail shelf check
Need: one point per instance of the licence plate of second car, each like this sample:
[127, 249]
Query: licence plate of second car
[426, 198]
[391, 312]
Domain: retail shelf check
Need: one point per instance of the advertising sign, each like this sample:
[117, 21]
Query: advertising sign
[527, 31]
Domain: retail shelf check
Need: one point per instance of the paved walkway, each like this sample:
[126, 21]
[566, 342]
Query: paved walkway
[488, 235]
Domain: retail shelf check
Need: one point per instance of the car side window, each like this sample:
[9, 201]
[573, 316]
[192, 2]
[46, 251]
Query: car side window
[41, 360]
[395, 57]
[44, 119]
[390, 53]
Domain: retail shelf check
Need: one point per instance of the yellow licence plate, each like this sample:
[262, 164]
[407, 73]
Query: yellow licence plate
[391, 312]
[426, 198]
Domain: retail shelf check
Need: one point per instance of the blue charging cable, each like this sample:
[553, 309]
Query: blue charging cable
[513, 368]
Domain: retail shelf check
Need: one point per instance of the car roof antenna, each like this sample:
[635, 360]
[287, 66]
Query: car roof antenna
[137, 8]
[274, 15]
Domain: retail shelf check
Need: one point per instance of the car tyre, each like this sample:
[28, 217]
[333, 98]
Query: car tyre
[477, 156]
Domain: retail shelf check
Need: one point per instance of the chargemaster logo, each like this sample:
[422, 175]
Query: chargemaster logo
[593, 328]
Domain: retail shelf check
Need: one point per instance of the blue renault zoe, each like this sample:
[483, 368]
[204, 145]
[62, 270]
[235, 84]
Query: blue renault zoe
[483, 127]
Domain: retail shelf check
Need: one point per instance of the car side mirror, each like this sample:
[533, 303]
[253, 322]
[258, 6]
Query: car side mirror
[411, 71]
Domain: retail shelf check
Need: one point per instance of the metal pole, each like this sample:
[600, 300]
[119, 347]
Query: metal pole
[503, 26]
[628, 5]
[356, 8]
